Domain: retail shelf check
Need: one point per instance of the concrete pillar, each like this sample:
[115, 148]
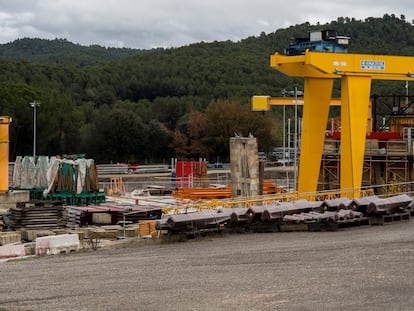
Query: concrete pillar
[244, 163]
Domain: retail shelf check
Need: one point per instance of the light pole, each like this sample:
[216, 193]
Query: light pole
[406, 92]
[34, 105]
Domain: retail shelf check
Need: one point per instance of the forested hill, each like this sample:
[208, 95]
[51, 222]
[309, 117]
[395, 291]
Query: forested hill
[60, 51]
[147, 106]
[386, 35]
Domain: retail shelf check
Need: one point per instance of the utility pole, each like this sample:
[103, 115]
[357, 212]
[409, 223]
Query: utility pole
[34, 105]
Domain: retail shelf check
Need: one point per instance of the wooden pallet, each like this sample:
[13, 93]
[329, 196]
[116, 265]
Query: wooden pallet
[293, 227]
[354, 222]
[264, 227]
[388, 219]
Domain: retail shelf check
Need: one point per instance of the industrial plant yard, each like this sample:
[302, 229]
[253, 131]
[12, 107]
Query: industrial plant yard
[362, 268]
[330, 231]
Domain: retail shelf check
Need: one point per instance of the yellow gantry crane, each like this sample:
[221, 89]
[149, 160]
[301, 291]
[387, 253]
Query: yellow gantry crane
[356, 72]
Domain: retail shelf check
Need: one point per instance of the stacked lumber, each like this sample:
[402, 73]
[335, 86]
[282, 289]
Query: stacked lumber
[37, 215]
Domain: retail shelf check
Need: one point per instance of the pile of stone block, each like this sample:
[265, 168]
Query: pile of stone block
[10, 237]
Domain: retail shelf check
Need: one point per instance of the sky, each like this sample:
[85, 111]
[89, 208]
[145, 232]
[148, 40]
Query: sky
[147, 24]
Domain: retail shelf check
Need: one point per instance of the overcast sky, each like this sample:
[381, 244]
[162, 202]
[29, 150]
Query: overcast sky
[149, 24]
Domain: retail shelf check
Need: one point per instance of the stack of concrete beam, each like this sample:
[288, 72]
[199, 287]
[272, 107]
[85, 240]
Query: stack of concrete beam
[318, 215]
[361, 204]
[192, 222]
[239, 215]
[336, 204]
[277, 212]
[326, 216]
[107, 214]
[391, 205]
[37, 215]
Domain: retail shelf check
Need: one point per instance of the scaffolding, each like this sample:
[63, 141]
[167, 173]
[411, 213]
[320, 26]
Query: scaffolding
[385, 163]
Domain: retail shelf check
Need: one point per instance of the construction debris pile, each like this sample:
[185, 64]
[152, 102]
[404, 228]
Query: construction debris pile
[293, 216]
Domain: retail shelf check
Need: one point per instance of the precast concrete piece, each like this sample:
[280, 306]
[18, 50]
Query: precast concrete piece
[336, 204]
[389, 205]
[10, 251]
[196, 221]
[361, 204]
[239, 215]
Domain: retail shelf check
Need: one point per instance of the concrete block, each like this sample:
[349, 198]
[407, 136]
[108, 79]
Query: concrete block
[10, 237]
[63, 243]
[104, 233]
[31, 235]
[81, 234]
[129, 232]
[102, 218]
[52, 245]
[42, 246]
[10, 251]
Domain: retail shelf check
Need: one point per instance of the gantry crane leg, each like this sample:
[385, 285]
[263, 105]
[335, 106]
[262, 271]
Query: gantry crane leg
[317, 96]
[354, 116]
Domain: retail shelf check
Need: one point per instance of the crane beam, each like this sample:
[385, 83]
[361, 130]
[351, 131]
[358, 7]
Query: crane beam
[263, 103]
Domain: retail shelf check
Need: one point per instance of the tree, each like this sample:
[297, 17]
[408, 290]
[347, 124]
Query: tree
[192, 144]
[14, 102]
[117, 135]
[225, 119]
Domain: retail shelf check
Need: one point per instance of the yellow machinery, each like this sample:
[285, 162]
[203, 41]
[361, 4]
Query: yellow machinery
[263, 103]
[4, 153]
[356, 72]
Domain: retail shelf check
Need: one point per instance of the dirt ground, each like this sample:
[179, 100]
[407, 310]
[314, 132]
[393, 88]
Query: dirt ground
[365, 268]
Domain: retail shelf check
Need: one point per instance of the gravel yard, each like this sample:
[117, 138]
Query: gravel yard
[364, 268]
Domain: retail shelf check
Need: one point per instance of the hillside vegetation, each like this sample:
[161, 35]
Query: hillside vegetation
[126, 105]
[60, 51]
